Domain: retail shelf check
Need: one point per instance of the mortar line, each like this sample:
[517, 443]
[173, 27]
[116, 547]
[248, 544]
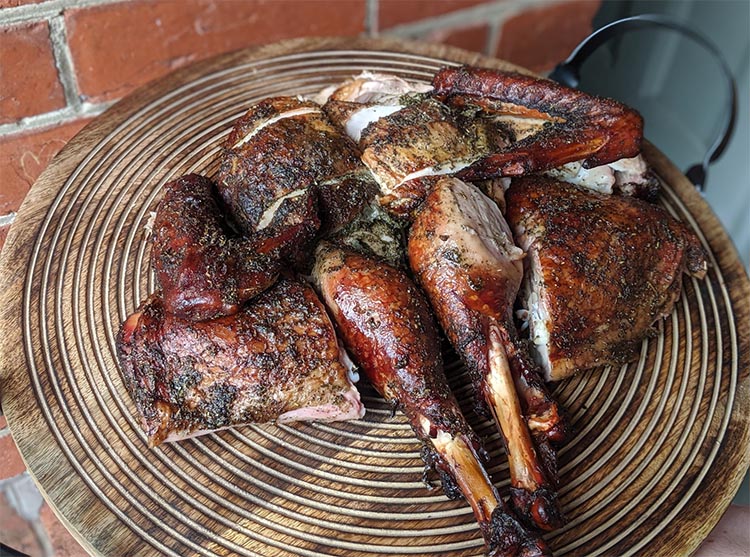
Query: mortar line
[493, 35]
[372, 8]
[46, 10]
[469, 16]
[61, 116]
[64, 61]
[8, 218]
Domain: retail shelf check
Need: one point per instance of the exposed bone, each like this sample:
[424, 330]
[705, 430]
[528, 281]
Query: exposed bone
[461, 251]
[385, 323]
[532, 494]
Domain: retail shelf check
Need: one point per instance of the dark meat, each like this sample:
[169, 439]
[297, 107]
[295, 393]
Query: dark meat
[203, 269]
[375, 233]
[275, 360]
[601, 270]
[284, 164]
[262, 179]
[386, 325]
[562, 125]
[462, 254]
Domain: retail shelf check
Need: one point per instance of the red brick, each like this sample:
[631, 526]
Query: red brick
[117, 47]
[398, 12]
[539, 38]
[10, 460]
[23, 157]
[15, 532]
[16, 3]
[62, 540]
[28, 77]
[471, 38]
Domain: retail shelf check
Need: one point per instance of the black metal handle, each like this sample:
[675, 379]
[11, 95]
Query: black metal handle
[568, 73]
[7, 551]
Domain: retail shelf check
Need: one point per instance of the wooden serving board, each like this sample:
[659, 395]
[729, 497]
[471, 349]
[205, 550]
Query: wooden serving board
[660, 445]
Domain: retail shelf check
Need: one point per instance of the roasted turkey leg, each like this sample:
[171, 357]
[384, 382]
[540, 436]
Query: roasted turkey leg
[386, 325]
[462, 253]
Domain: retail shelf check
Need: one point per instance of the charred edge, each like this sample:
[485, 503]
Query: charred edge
[505, 536]
[539, 508]
[547, 458]
[434, 462]
[560, 432]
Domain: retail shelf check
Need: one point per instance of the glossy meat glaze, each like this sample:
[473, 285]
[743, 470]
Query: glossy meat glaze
[277, 359]
[600, 271]
[462, 253]
[204, 269]
[385, 323]
[222, 343]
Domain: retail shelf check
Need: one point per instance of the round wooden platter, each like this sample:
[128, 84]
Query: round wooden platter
[660, 445]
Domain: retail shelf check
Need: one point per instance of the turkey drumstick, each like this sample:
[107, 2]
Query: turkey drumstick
[461, 251]
[386, 325]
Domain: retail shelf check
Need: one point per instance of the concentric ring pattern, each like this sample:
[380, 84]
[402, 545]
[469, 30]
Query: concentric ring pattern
[646, 435]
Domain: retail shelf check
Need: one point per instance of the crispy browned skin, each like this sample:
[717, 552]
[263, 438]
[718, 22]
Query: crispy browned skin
[604, 269]
[579, 127]
[284, 164]
[203, 269]
[403, 133]
[277, 358]
[386, 325]
[461, 252]
[339, 111]
[422, 136]
[406, 135]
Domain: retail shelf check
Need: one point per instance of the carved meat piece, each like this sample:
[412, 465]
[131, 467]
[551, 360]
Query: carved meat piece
[422, 140]
[285, 164]
[552, 124]
[462, 253]
[204, 269]
[600, 271]
[625, 176]
[482, 124]
[277, 360]
[386, 325]
[358, 102]
[407, 138]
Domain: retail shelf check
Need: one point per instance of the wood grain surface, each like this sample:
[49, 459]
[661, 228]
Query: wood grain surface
[660, 445]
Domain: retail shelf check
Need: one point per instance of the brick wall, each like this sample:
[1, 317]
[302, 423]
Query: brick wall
[63, 62]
